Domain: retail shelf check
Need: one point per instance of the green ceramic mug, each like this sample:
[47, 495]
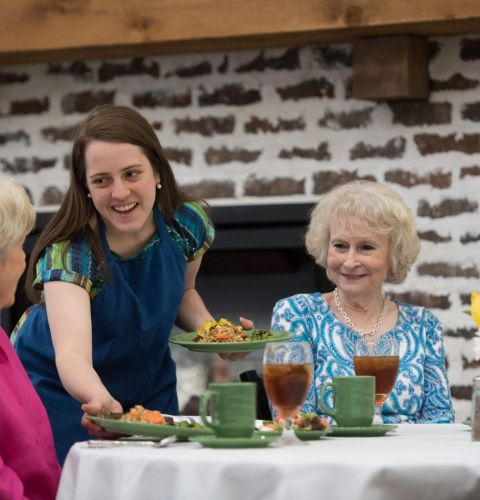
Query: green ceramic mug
[353, 400]
[232, 407]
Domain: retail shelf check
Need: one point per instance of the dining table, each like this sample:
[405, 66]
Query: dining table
[413, 461]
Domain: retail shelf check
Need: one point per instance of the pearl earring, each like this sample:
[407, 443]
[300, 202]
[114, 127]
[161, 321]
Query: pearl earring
[89, 195]
[159, 186]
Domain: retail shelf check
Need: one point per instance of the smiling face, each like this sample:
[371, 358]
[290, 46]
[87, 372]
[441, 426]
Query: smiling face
[122, 184]
[358, 258]
[11, 268]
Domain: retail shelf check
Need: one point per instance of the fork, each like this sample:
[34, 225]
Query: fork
[110, 443]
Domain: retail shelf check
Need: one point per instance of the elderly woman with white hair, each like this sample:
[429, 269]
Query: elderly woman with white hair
[28, 463]
[364, 235]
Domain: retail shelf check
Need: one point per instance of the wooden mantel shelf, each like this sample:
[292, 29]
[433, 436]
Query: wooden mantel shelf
[55, 30]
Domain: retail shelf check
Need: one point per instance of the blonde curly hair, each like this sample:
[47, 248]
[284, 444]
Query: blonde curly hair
[17, 216]
[381, 208]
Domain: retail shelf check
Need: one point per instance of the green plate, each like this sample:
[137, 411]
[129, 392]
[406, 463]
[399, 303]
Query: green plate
[255, 441]
[373, 430]
[186, 340]
[302, 434]
[150, 430]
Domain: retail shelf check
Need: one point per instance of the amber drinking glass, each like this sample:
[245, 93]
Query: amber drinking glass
[287, 375]
[380, 358]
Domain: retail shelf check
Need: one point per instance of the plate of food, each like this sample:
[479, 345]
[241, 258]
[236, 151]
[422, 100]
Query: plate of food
[151, 423]
[307, 427]
[224, 336]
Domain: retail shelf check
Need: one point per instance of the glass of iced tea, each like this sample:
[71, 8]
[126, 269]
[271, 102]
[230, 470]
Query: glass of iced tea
[378, 357]
[287, 375]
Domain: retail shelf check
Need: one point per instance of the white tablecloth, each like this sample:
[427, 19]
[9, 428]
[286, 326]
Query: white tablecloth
[416, 462]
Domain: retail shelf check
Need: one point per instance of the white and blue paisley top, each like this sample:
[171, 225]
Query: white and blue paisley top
[421, 393]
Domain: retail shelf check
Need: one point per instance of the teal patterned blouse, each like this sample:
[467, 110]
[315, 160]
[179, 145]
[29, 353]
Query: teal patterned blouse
[74, 261]
[421, 392]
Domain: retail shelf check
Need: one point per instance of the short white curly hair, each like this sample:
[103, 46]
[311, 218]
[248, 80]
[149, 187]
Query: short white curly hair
[17, 216]
[375, 204]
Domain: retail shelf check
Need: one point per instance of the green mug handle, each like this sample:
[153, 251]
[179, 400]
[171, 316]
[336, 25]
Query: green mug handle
[205, 399]
[325, 409]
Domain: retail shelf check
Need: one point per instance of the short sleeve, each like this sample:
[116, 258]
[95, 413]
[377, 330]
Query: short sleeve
[192, 230]
[72, 262]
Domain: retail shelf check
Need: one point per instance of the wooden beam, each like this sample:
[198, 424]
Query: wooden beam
[390, 68]
[52, 30]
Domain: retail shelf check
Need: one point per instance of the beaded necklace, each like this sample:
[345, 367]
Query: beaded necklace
[351, 324]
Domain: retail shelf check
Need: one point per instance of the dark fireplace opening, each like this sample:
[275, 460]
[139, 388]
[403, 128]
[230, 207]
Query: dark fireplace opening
[257, 258]
[248, 282]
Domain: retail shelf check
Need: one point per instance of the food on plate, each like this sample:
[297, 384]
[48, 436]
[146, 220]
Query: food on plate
[141, 415]
[303, 422]
[225, 331]
[220, 331]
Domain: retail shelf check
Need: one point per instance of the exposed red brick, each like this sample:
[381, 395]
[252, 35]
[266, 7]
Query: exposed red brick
[348, 85]
[446, 208]
[200, 69]
[24, 165]
[394, 148]
[257, 124]
[466, 171]
[447, 270]
[223, 67]
[433, 49]
[288, 60]
[471, 112]
[83, 102]
[455, 82]
[217, 156]
[412, 114]
[162, 99]
[321, 153]
[359, 118]
[433, 236]
[429, 144]
[233, 94]
[108, 70]
[206, 126]
[465, 299]
[317, 87]
[470, 50]
[78, 69]
[210, 189]
[328, 56]
[52, 196]
[464, 333]
[427, 300]
[325, 181]
[17, 136]
[439, 180]
[466, 364]
[461, 392]
[54, 134]
[30, 106]
[280, 186]
[470, 238]
[8, 78]
[179, 155]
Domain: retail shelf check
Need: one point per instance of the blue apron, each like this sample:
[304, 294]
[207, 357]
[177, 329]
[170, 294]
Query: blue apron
[132, 317]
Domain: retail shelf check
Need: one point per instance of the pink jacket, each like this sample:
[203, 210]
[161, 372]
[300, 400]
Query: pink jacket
[28, 464]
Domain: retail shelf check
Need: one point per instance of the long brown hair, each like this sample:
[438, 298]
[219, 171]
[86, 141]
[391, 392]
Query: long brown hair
[111, 124]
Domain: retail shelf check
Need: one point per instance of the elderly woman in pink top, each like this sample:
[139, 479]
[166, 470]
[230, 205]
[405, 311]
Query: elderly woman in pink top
[28, 464]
